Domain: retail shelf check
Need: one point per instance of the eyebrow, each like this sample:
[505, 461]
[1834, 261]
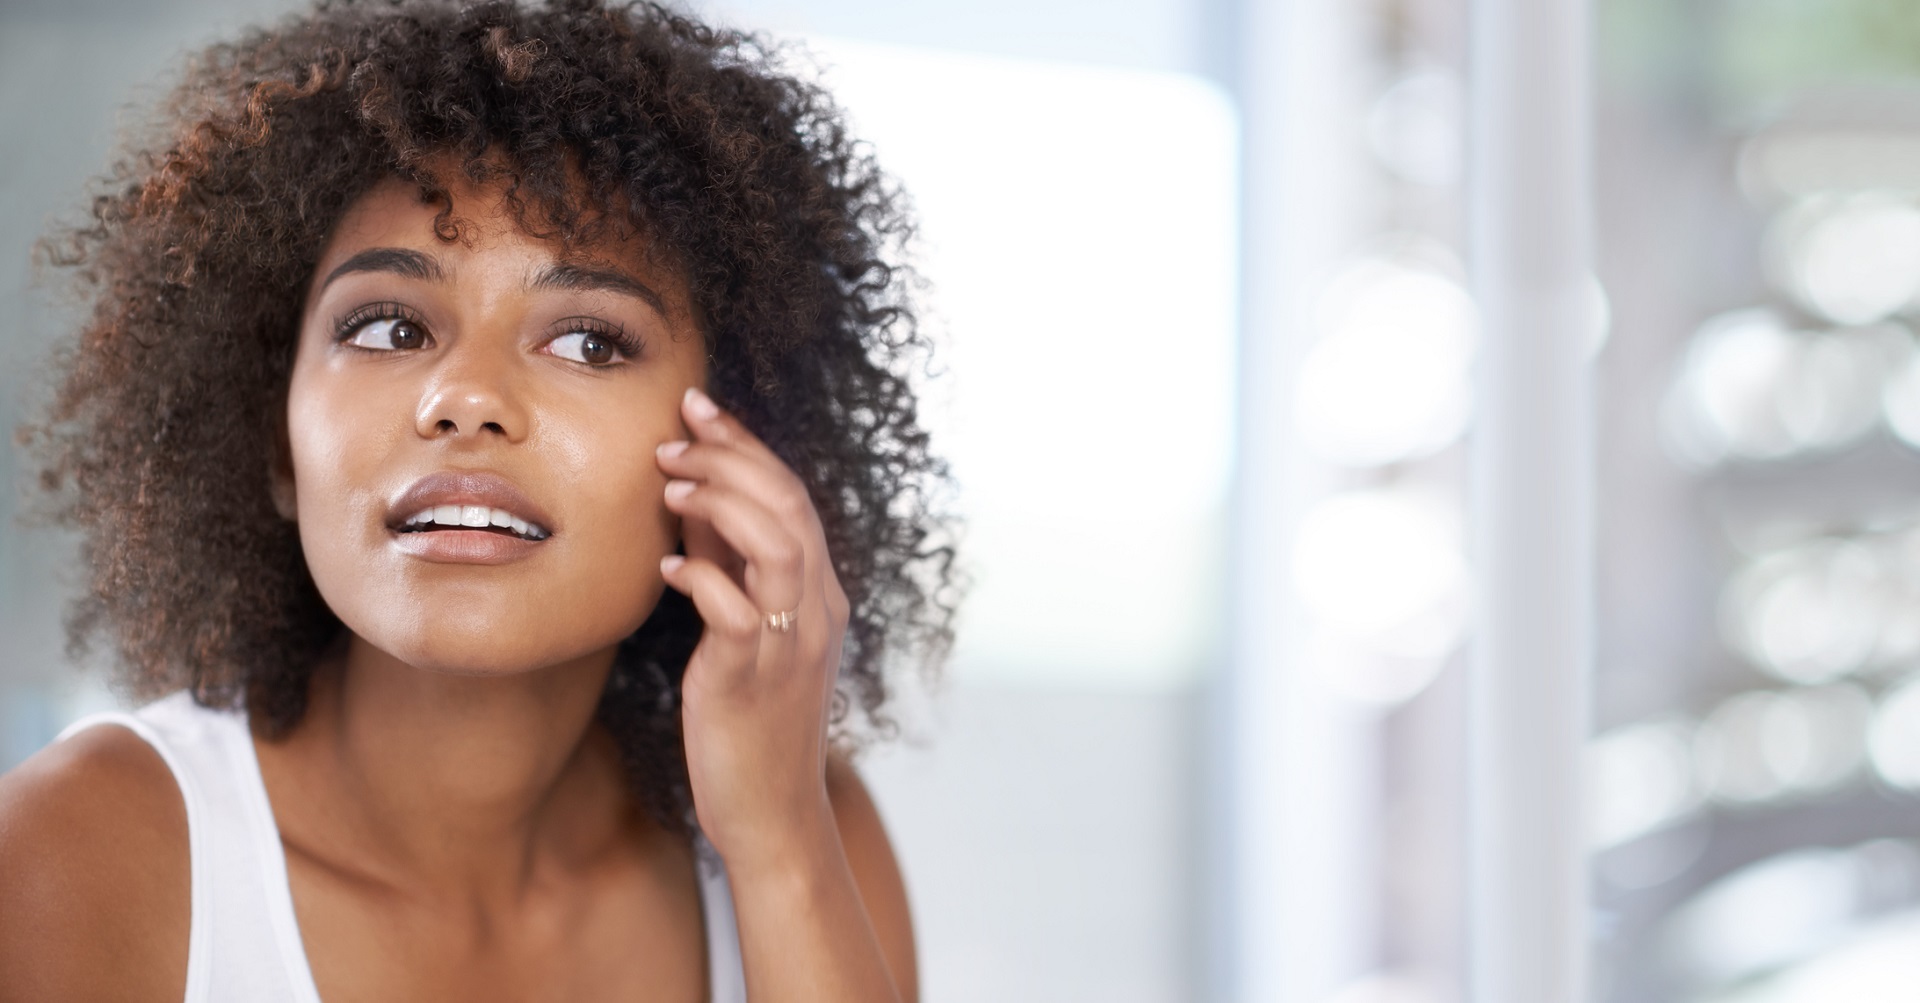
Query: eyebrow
[583, 278]
[399, 261]
[577, 278]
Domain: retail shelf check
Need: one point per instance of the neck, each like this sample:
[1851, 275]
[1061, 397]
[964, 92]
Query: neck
[458, 783]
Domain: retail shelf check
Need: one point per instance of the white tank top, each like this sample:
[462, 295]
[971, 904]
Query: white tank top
[244, 943]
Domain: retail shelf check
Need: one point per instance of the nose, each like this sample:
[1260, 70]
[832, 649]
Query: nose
[472, 397]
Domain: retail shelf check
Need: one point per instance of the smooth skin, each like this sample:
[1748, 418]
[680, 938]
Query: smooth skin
[456, 826]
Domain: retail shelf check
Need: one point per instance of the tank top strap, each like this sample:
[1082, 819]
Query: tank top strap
[244, 940]
[726, 968]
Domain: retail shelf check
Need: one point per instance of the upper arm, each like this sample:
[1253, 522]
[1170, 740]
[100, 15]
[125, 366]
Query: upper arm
[94, 873]
[875, 872]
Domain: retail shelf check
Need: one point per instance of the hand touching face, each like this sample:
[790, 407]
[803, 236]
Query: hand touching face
[759, 687]
[471, 428]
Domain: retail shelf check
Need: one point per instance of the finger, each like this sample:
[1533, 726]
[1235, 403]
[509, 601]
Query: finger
[733, 624]
[778, 489]
[709, 423]
[700, 539]
[764, 478]
[776, 558]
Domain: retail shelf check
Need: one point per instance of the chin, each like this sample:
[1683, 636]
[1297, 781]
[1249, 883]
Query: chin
[488, 646]
[466, 659]
[488, 624]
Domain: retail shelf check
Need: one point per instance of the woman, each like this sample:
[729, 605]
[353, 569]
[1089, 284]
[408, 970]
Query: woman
[493, 430]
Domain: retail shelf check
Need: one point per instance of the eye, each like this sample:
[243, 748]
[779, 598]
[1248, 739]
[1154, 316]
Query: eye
[584, 346]
[388, 334]
[595, 348]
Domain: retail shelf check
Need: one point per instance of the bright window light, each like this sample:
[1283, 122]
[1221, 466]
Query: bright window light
[1853, 259]
[1078, 227]
[1388, 378]
[1639, 779]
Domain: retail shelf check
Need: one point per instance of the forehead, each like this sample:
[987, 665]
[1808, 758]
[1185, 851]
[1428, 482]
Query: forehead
[477, 231]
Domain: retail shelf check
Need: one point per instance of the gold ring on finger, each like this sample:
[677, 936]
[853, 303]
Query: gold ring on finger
[782, 622]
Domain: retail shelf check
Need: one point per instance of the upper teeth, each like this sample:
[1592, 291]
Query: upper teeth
[477, 515]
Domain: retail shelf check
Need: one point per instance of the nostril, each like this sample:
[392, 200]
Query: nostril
[446, 425]
[493, 426]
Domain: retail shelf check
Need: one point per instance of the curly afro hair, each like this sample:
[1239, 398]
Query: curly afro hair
[203, 236]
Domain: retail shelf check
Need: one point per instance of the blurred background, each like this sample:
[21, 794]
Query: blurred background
[1074, 804]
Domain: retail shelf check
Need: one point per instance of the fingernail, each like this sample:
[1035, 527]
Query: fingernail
[701, 405]
[679, 490]
[672, 449]
[671, 563]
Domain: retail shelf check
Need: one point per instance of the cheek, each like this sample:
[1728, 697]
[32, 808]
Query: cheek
[621, 525]
[336, 441]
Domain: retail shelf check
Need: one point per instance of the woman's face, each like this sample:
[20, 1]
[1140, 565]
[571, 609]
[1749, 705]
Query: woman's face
[471, 429]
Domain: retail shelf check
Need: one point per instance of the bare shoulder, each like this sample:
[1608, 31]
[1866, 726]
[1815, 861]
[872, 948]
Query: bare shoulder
[876, 871]
[94, 873]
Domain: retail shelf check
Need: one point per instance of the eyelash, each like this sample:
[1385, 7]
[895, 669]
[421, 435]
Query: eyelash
[347, 326]
[623, 342]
